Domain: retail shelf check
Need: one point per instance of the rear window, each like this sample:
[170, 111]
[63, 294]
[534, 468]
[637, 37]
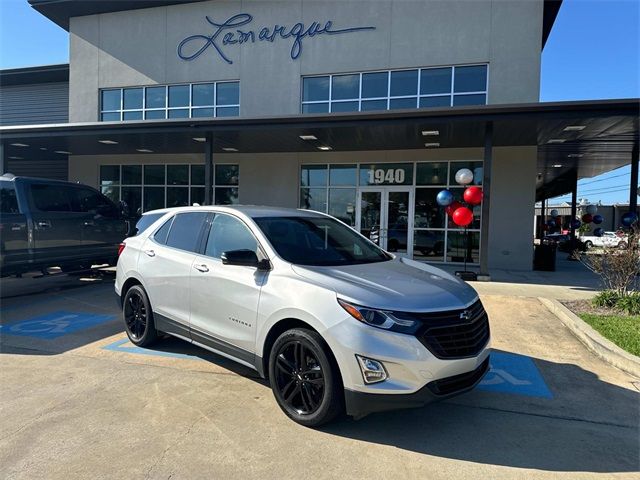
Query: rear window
[185, 231]
[146, 221]
[8, 199]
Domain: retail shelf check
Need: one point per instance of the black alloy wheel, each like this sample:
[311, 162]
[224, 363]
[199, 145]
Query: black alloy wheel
[305, 379]
[138, 317]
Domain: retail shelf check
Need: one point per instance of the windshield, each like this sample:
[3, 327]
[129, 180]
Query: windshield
[319, 241]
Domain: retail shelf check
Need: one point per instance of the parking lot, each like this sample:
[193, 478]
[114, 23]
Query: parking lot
[79, 401]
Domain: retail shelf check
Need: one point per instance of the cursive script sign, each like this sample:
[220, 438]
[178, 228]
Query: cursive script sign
[229, 33]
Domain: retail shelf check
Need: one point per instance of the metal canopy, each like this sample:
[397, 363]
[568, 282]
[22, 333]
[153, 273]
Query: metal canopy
[602, 138]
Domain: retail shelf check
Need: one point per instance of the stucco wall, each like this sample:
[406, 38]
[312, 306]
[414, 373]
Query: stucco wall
[139, 47]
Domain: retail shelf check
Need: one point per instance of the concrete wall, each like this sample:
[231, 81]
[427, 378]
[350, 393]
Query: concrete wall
[139, 47]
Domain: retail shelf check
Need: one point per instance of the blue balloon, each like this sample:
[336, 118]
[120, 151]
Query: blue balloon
[597, 219]
[444, 198]
[575, 223]
[629, 219]
[598, 232]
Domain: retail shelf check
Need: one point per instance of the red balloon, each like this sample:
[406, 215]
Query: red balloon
[587, 218]
[462, 217]
[452, 207]
[473, 195]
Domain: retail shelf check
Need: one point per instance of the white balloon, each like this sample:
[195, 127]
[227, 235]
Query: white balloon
[464, 176]
[554, 213]
[592, 209]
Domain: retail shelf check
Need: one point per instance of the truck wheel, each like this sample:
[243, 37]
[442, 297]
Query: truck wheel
[588, 244]
[622, 245]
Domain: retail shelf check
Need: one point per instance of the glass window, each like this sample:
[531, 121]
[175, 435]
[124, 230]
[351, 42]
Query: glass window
[146, 221]
[344, 107]
[110, 117]
[315, 88]
[435, 80]
[112, 193]
[345, 87]
[370, 105]
[375, 85]
[203, 95]
[428, 245]
[197, 195]
[342, 175]
[156, 97]
[431, 173]
[185, 231]
[227, 174]
[313, 175]
[460, 100]
[197, 174]
[315, 108]
[204, 112]
[404, 82]
[428, 214]
[132, 98]
[131, 174]
[154, 175]
[401, 103]
[426, 102]
[313, 199]
[179, 96]
[86, 200]
[111, 99]
[226, 196]
[8, 199]
[470, 79]
[228, 93]
[51, 198]
[342, 204]
[179, 113]
[155, 114]
[177, 174]
[228, 233]
[109, 174]
[386, 174]
[161, 234]
[153, 198]
[132, 196]
[460, 247]
[135, 115]
[177, 196]
[227, 112]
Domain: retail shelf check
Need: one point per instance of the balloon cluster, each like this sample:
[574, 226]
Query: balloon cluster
[460, 213]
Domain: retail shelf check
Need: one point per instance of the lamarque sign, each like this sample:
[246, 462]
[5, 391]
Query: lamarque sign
[229, 33]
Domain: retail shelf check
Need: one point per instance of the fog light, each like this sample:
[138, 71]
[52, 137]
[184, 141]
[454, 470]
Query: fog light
[372, 370]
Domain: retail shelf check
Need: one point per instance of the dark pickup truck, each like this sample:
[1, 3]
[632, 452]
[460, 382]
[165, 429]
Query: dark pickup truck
[47, 223]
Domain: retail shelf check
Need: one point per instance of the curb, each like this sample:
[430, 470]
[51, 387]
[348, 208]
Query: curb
[603, 348]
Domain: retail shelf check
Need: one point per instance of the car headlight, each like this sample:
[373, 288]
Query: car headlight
[394, 321]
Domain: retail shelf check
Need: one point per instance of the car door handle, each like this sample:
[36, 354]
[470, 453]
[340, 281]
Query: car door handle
[150, 253]
[201, 268]
[45, 224]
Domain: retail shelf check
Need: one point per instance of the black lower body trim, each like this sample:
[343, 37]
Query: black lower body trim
[360, 404]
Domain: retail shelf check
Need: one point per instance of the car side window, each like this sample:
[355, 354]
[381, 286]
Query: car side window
[228, 233]
[89, 201]
[51, 198]
[161, 234]
[8, 200]
[145, 222]
[185, 231]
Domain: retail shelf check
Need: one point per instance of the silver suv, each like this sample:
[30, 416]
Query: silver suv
[335, 323]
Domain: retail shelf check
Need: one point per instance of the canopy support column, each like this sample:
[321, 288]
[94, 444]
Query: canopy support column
[633, 182]
[208, 170]
[3, 165]
[486, 200]
[574, 205]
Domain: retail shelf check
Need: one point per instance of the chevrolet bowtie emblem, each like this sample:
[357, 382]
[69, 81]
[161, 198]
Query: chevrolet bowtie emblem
[465, 315]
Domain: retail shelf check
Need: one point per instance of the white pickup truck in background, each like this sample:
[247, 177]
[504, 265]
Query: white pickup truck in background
[608, 239]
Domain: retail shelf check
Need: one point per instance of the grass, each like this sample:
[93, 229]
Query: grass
[623, 330]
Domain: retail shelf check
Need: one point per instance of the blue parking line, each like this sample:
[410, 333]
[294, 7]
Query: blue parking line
[515, 374]
[118, 346]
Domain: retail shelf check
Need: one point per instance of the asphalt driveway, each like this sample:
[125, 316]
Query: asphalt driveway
[78, 401]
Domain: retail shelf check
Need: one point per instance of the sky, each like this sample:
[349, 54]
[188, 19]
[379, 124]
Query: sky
[593, 52]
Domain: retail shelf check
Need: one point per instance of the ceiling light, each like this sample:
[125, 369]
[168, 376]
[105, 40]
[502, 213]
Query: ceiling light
[108, 142]
[229, 149]
[556, 165]
[19, 145]
[430, 133]
[556, 140]
[308, 137]
[63, 152]
[575, 155]
[432, 145]
[324, 148]
[574, 128]
[15, 158]
[200, 139]
[144, 150]
[43, 148]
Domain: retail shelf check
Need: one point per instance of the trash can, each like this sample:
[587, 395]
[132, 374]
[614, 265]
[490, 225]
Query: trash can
[544, 258]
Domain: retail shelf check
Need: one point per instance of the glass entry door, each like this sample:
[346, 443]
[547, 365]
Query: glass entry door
[385, 216]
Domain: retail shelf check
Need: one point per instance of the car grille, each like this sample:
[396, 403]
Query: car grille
[455, 334]
[459, 383]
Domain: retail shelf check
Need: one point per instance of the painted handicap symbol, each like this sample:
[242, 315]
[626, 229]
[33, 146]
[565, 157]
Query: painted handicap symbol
[54, 325]
[515, 374]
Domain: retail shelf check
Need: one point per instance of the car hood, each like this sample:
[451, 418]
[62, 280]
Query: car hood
[399, 284]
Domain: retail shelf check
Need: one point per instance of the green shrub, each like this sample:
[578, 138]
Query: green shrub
[630, 303]
[606, 298]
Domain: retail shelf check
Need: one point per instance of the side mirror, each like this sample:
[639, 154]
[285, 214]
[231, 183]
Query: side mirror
[245, 258]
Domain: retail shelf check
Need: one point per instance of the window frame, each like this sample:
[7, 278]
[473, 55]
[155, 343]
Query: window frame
[389, 98]
[166, 109]
[199, 244]
[260, 251]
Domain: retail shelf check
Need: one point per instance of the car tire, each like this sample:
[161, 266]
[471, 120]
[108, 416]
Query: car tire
[305, 378]
[588, 244]
[138, 317]
[622, 245]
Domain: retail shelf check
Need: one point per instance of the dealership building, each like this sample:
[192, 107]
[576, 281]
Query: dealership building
[361, 109]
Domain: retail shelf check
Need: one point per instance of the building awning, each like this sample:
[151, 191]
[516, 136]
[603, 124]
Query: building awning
[590, 137]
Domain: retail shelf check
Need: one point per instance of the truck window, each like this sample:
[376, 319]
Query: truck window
[51, 198]
[8, 199]
[89, 201]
